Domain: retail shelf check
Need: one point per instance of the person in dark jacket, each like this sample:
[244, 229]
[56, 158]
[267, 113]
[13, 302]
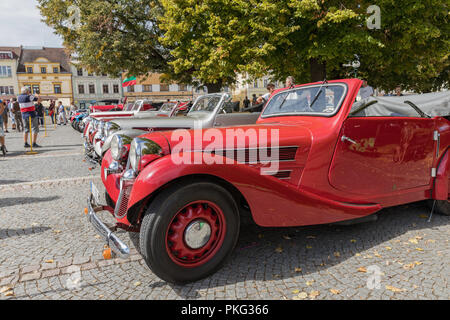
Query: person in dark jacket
[40, 112]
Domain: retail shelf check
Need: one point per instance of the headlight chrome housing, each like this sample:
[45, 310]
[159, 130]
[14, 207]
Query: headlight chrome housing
[110, 128]
[141, 147]
[118, 149]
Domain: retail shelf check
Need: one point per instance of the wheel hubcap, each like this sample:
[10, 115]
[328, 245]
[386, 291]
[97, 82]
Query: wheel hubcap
[197, 234]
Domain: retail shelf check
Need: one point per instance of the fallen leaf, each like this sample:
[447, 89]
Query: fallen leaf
[57, 231]
[97, 236]
[9, 294]
[368, 256]
[49, 261]
[137, 283]
[430, 241]
[394, 289]
[352, 240]
[417, 263]
[413, 240]
[335, 291]
[362, 269]
[101, 296]
[337, 254]
[301, 296]
[309, 283]
[308, 247]
[376, 254]
[314, 294]
[5, 289]
[298, 269]
[279, 249]
[388, 248]
[357, 254]
[409, 266]
[295, 291]
[418, 237]
[419, 249]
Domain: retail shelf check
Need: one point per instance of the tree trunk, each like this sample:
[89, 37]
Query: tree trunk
[317, 70]
[213, 87]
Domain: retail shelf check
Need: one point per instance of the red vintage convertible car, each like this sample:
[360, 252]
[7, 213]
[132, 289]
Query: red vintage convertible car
[337, 159]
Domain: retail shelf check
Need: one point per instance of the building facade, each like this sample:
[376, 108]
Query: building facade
[9, 60]
[90, 89]
[46, 71]
[152, 88]
[245, 87]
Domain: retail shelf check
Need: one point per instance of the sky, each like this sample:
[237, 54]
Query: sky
[20, 24]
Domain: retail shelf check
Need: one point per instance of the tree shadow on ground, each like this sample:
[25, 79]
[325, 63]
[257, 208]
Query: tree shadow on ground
[5, 182]
[310, 249]
[9, 202]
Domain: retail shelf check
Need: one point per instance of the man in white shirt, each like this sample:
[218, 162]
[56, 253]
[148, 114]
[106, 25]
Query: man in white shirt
[271, 88]
[366, 90]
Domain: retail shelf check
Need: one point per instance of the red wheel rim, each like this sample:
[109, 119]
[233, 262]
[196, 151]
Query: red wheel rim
[195, 213]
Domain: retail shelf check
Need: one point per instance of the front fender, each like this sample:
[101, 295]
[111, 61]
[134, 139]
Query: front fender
[441, 183]
[272, 202]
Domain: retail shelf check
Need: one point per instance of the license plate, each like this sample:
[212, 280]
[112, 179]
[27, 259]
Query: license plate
[95, 194]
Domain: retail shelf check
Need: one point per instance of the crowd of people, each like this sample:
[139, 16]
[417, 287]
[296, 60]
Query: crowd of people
[25, 112]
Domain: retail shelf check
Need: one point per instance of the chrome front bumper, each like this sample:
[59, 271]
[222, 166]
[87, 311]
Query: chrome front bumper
[90, 155]
[117, 245]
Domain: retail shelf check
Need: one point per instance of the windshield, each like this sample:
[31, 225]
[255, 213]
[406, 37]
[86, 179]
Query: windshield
[136, 105]
[312, 100]
[206, 103]
[167, 107]
[128, 107]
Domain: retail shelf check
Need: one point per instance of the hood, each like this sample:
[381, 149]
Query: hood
[165, 123]
[112, 114]
[290, 135]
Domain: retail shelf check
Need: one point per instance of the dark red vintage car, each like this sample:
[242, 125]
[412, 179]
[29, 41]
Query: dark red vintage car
[327, 157]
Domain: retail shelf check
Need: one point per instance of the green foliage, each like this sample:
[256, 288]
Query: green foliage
[210, 41]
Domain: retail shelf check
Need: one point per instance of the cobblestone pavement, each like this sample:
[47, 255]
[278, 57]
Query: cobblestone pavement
[48, 250]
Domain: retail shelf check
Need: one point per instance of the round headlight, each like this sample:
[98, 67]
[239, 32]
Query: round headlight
[141, 147]
[117, 149]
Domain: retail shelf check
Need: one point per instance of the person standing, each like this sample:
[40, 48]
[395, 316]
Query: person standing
[2, 133]
[40, 112]
[17, 115]
[11, 114]
[28, 110]
[366, 90]
[62, 113]
[398, 91]
[254, 99]
[5, 115]
[246, 102]
[52, 112]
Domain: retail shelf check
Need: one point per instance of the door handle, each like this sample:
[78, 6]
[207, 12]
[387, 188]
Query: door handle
[344, 138]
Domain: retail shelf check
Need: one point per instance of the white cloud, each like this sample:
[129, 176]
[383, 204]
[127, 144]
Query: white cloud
[20, 24]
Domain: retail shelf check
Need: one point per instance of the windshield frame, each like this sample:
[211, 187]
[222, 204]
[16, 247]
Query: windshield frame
[310, 114]
[219, 104]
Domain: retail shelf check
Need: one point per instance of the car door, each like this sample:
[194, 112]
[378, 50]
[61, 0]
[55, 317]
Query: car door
[380, 155]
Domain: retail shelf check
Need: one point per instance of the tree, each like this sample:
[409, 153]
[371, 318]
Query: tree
[110, 36]
[309, 39]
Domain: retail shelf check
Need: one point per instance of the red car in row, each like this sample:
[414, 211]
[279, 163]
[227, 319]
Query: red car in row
[317, 155]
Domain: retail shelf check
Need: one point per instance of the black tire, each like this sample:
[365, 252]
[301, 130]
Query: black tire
[159, 216]
[109, 201]
[441, 206]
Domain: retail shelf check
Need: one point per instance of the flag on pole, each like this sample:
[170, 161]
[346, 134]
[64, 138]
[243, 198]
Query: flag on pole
[131, 81]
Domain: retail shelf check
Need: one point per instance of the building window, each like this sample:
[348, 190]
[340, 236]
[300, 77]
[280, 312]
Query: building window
[266, 82]
[131, 89]
[6, 90]
[5, 72]
[116, 88]
[80, 72]
[6, 55]
[105, 88]
[163, 87]
[43, 70]
[255, 84]
[91, 89]
[182, 87]
[29, 69]
[81, 88]
[55, 70]
[35, 89]
[147, 88]
[57, 88]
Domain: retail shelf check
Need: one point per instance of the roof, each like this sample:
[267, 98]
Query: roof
[15, 50]
[52, 54]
